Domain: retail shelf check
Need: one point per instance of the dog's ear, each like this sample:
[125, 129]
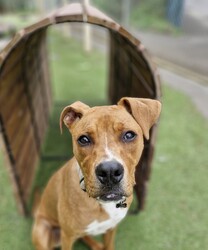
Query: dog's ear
[144, 111]
[72, 113]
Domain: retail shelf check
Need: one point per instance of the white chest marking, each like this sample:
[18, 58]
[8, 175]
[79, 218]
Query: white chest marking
[115, 214]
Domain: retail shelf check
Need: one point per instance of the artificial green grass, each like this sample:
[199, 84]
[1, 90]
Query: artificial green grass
[76, 74]
[176, 215]
[14, 229]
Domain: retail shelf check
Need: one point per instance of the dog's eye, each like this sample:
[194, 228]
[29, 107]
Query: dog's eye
[128, 136]
[84, 140]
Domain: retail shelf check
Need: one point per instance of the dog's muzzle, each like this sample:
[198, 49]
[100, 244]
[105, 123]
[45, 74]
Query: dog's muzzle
[110, 175]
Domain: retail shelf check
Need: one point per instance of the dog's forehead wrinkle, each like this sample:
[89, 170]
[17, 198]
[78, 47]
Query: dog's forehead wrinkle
[92, 125]
[106, 118]
[101, 112]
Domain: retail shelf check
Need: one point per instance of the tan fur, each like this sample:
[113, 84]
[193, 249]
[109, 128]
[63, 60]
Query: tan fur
[65, 210]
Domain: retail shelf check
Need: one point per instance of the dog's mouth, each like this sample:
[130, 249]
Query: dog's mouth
[111, 197]
[108, 196]
[118, 199]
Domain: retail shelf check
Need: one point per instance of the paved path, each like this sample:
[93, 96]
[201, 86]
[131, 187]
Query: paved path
[188, 51]
[198, 9]
[197, 92]
[190, 48]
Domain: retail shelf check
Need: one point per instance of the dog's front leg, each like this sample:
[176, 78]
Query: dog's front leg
[67, 241]
[109, 237]
[93, 244]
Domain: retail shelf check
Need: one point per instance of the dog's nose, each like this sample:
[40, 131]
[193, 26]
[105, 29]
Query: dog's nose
[109, 172]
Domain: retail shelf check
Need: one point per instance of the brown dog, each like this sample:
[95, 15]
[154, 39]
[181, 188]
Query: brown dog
[92, 192]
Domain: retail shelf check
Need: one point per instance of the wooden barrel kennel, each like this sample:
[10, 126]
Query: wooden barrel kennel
[25, 92]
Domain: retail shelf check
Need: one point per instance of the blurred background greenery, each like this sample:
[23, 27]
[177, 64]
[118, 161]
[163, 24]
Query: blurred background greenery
[144, 13]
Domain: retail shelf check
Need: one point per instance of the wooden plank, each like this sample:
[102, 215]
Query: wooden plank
[155, 74]
[9, 103]
[14, 117]
[18, 141]
[31, 110]
[14, 128]
[13, 60]
[133, 51]
[45, 77]
[111, 68]
[30, 66]
[143, 71]
[24, 150]
[47, 86]
[142, 81]
[38, 105]
[94, 16]
[10, 47]
[41, 123]
[28, 174]
[42, 24]
[35, 88]
[138, 89]
[125, 34]
[114, 69]
[140, 75]
[8, 82]
[140, 66]
[72, 12]
[123, 81]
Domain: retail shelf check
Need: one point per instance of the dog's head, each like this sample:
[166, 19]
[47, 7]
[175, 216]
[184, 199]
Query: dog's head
[108, 143]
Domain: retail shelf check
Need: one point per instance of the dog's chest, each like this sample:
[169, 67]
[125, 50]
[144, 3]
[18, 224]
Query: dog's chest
[115, 216]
